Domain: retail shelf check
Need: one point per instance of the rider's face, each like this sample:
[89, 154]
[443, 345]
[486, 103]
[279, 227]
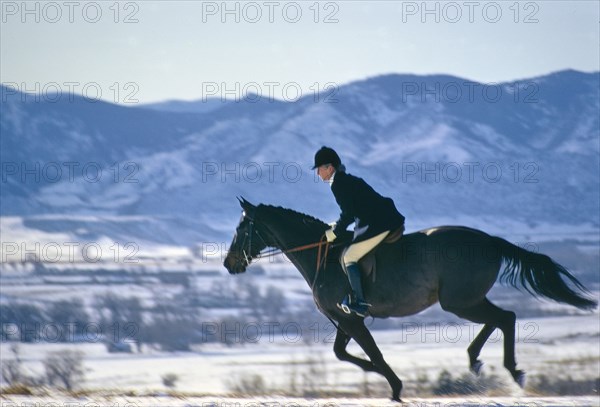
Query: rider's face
[325, 171]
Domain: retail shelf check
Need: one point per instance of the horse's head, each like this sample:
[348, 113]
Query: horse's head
[247, 242]
[277, 227]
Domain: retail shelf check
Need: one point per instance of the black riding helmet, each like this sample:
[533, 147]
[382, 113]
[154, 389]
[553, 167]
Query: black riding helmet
[327, 155]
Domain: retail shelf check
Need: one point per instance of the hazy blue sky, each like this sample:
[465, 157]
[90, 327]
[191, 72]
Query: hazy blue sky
[157, 50]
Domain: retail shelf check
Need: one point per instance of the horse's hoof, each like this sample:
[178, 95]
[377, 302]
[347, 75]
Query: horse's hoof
[397, 399]
[476, 367]
[519, 377]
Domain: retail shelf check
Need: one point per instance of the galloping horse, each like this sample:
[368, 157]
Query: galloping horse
[453, 265]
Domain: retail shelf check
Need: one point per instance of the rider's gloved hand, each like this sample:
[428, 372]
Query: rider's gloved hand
[332, 225]
[330, 235]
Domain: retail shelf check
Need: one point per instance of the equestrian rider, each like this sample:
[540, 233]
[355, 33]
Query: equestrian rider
[374, 216]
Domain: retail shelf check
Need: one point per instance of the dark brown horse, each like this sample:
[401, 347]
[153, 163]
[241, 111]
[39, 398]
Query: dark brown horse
[453, 265]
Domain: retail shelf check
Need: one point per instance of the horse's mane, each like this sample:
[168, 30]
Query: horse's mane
[295, 215]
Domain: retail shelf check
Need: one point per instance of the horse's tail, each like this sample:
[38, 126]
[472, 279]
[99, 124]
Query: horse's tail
[540, 275]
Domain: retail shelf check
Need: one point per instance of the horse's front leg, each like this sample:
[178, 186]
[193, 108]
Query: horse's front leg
[357, 330]
[339, 348]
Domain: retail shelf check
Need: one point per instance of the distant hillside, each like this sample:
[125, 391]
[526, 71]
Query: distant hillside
[443, 147]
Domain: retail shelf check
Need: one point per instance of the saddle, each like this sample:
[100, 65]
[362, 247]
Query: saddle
[368, 263]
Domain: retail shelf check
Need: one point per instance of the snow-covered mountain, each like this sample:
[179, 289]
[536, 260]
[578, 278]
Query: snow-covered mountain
[445, 148]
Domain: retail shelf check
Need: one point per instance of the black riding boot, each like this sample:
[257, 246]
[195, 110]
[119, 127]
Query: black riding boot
[355, 302]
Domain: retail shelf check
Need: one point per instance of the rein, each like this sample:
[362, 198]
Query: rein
[321, 254]
[274, 252]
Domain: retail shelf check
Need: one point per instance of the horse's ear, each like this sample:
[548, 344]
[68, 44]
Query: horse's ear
[244, 203]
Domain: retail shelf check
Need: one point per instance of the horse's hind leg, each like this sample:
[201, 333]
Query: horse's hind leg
[359, 332]
[493, 317]
[475, 347]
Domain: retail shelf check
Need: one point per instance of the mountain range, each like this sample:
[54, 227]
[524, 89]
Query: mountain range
[515, 156]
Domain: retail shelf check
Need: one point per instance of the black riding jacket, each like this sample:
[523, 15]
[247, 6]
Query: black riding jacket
[371, 212]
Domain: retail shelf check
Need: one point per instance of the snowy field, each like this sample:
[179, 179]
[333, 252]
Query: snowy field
[565, 345]
[558, 347]
[164, 401]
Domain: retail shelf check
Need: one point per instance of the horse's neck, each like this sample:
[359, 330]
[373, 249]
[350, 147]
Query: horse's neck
[305, 263]
[304, 260]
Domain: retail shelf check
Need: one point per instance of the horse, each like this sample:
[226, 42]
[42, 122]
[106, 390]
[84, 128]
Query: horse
[453, 265]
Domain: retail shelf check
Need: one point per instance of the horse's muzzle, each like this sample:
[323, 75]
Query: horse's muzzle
[234, 266]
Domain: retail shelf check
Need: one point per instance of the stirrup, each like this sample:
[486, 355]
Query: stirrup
[348, 307]
[345, 304]
[345, 308]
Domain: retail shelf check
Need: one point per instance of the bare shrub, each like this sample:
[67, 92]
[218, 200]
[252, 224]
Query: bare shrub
[248, 385]
[170, 380]
[64, 368]
[466, 384]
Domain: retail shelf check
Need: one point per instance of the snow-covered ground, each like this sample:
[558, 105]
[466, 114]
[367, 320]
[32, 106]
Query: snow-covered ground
[422, 345]
[558, 347]
[165, 401]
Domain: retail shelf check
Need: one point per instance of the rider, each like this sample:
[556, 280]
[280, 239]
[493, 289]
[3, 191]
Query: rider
[374, 216]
